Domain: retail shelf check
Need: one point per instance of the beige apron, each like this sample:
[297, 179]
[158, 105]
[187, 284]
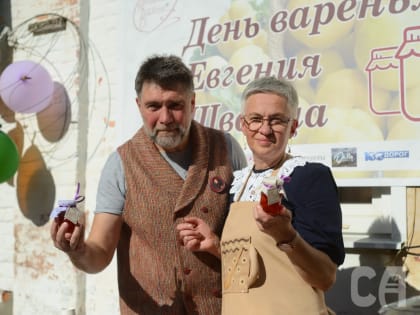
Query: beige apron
[257, 277]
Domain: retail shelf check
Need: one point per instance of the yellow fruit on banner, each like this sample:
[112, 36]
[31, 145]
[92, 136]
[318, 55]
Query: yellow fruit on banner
[205, 103]
[395, 106]
[305, 89]
[328, 34]
[331, 61]
[410, 67]
[412, 103]
[213, 62]
[345, 46]
[364, 123]
[249, 55]
[240, 9]
[412, 97]
[227, 48]
[344, 88]
[404, 130]
[205, 98]
[346, 125]
[381, 102]
[302, 130]
[261, 40]
[348, 88]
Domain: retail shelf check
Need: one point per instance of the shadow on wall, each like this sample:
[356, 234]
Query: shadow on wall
[35, 187]
[54, 121]
[379, 280]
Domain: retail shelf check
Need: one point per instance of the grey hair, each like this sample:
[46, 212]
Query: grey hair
[168, 71]
[273, 85]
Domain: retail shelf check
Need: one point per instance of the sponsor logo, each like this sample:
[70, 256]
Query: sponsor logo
[391, 285]
[315, 158]
[382, 155]
[344, 157]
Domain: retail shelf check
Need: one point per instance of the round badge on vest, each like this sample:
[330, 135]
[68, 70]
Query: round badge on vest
[217, 184]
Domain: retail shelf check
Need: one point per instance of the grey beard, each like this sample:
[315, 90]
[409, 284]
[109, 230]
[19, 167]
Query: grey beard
[168, 142]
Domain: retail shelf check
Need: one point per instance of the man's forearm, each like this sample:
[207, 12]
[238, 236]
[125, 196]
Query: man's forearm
[90, 259]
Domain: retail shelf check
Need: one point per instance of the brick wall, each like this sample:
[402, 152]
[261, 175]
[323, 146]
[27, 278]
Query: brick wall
[83, 58]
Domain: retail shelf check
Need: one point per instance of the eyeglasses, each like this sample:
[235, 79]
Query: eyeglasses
[255, 122]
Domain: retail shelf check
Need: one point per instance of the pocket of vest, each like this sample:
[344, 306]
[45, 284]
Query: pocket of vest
[240, 265]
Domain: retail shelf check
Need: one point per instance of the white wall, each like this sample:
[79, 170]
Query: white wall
[41, 278]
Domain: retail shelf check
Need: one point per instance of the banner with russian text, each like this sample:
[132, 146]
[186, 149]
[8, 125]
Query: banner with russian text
[355, 64]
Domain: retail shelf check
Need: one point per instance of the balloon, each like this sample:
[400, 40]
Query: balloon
[54, 121]
[17, 136]
[9, 157]
[26, 87]
[6, 113]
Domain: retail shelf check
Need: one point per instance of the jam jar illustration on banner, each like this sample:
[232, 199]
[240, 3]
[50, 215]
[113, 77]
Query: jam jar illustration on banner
[381, 62]
[409, 56]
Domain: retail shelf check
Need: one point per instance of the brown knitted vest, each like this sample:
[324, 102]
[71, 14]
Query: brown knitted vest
[156, 275]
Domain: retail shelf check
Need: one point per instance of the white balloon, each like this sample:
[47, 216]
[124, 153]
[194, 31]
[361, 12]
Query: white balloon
[26, 87]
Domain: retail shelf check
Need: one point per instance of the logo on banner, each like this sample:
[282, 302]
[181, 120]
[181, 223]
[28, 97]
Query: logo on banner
[381, 155]
[392, 283]
[344, 157]
[149, 15]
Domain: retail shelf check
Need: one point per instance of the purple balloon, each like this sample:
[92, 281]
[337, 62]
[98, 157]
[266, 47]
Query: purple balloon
[26, 87]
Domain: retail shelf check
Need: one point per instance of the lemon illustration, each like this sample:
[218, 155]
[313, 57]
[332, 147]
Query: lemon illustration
[327, 34]
[238, 11]
[346, 125]
[248, 57]
[343, 88]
